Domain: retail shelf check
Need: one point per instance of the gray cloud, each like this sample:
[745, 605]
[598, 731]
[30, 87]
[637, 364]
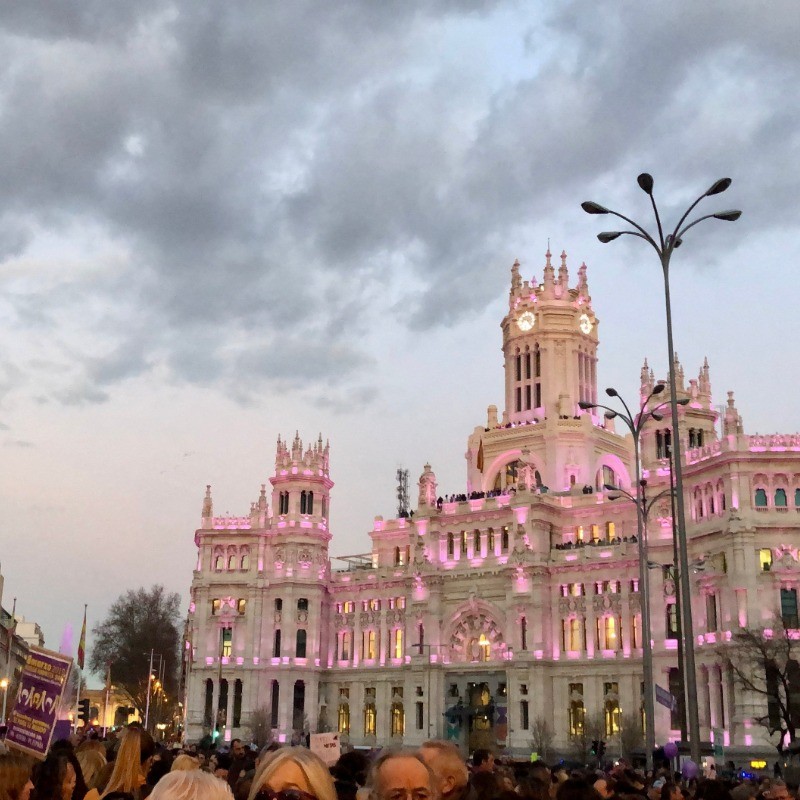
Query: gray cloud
[266, 168]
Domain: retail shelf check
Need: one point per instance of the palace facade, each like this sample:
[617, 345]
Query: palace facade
[508, 615]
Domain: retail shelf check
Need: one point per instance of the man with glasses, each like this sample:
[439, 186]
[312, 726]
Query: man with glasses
[401, 776]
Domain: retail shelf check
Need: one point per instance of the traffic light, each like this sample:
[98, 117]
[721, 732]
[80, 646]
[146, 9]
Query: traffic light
[601, 751]
[83, 711]
[595, 746]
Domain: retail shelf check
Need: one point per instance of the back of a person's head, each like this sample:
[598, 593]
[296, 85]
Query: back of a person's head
[92, 762]
[313, 768]
[446, 761]
[577, 789]
[185, 763]
[136, 746]
[486, 785]
[48, 776]
[352, 767]
[15, 772]
[191, 785]
[479, 756]
[713, 789]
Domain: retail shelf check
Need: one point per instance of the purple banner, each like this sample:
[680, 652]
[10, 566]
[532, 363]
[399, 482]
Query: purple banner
[33, 718]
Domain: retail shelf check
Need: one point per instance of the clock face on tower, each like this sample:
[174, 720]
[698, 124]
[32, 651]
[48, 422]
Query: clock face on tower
[585, 324]
[526, 320]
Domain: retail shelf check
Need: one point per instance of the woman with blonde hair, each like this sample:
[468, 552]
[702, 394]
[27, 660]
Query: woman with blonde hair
[292, 773]
[92, 762]
[185, 763]
[136, 751]
[190, 785]
[15, 777]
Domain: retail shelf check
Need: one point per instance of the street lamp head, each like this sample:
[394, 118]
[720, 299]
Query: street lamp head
[585, 405]
[719, 186]
[731, 215]
[656, 416]
[645, 181]
[610, 414]
[594, 208]
[678, 243]
[658, 388]
[609, 236]
[612, 392]
[4, 683]
[610, 487]
[684, 401]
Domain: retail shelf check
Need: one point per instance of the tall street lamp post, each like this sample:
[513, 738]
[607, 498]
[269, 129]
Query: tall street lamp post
[665, 245]
[635, 423]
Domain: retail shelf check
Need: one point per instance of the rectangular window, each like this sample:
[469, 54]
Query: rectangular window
[276, 644]
[519, 398]
[398, 719]
[576, 710]
[420, 716]
[347, 640]
[368, 645]
[711, 612]
[765, 559]
[611, 637]
[278, 604]
[789, 608]
[523, 632]
[504, 539]
[400, 602]
[302, 604]
[595, 529]
[528, 397]
[241, 605]
[398, 643]
[672, 621]
[369, 720]
[215, 606]
[226, 639]
[611, 708]
[524, 715]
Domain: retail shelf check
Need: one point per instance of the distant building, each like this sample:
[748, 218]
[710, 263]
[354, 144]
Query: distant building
[515, 601]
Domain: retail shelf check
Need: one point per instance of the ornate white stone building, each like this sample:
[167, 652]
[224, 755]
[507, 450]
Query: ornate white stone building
[480, 615]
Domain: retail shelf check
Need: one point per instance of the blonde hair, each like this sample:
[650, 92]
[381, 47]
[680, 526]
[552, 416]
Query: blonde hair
[15, 772]
[127, 775]
[185, 763]
[313, 768]
[191, 785]
[446, 762]
[92, 762]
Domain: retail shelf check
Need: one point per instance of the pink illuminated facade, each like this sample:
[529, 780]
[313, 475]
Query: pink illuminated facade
[516, 600]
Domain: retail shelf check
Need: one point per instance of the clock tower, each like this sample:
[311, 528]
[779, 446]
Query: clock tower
[549, 345]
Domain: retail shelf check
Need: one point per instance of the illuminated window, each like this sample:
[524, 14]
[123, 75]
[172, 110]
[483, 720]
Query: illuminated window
[369, 719]
[765, 559]
[398, 719]
[374, 605]
[576, 589]
[595, 530]
[573, 629]
[215, 606]
[347, 641]
[368, 645]
[401, 602]
[610, 633]
[344, 718]
[226, 639]
[611, 711]
[398, 643]
[611, 531]
[463, 543]
[579, 533]
[672, 621]
[241, 605]
[576, 709]
[484, 648]
[476, 543]
[636, 631]
[490, 540]
[504, 538]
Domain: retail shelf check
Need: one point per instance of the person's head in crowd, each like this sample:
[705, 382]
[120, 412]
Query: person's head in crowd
[483, 761]
[237, 748]
[191, 785]
[159, 767]
[66, 747]
[670, 791]
[290, 770]
[402, 774]
[606, 787]
[15, 777]
[448, 767]
[485, 784]
[223, 764]
[185, 763]
[136, 751]
[55, 777]
[776, 791]
[576, 789]
[91, 762]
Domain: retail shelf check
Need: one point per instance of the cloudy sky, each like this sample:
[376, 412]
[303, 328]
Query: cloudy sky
[224, 221]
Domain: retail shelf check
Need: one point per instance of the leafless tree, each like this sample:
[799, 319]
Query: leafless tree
[766, 662]
[593, 729]
[542, 738]
[631, 736]
[261, 726]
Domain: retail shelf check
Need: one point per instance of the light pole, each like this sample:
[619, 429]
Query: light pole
[4, 687]
[665, 245]
[635, 423]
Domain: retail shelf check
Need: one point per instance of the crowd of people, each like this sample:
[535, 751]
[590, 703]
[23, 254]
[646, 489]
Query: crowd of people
[133, 767]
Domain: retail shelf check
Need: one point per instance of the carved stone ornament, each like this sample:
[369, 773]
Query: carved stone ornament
[669, 588]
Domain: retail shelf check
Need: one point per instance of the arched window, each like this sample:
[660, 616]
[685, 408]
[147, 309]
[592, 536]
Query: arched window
[347, 640]
[610, 633]
[398, 643]
[797, 498]
[369, 719]
[300, 647]
[761, 498]
[276, 643]
[463, 543]
[218, 563]
[451, 545]
[283, 503]
[398, 719]
[310, 503]
[344, 718]
[780, 498]
[231, 562]
[490, 540]
[476, 543]
[303, 502]
[244, 563]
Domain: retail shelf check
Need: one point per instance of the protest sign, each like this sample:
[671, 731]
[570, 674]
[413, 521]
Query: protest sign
[33, 717]
[326, 746]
